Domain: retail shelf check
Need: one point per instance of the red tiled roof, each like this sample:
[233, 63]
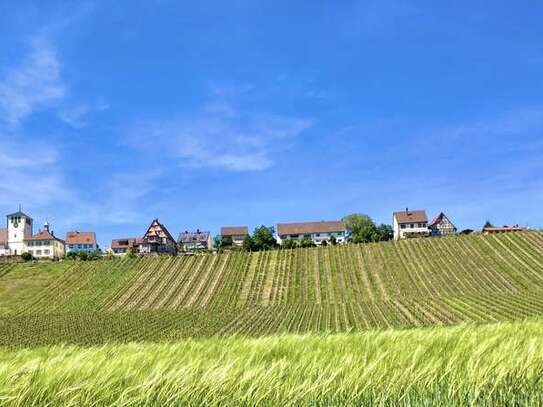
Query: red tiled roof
[43, 235]
[411, 216]
[309, 227]
[234, 231]
[80, 238]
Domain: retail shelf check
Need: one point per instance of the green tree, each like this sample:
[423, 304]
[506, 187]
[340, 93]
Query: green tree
[248, 244]
[218, 242]
[384, 232]
[361, 227]
[26, 256]
[333, 240]
[488, 224]
[263, 238]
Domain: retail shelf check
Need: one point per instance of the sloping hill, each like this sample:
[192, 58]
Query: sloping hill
[422, 282]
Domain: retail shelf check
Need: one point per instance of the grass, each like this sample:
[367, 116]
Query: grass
[497, 364]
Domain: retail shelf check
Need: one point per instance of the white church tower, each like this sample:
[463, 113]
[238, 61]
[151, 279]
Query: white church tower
[19, 229]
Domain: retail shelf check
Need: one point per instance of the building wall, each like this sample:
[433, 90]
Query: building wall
[85, 247]
[16, 235]
[443, 228]
[45, 249]
[316, 238]
[400, 233]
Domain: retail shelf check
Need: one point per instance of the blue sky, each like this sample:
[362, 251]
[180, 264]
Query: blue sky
[249, 112]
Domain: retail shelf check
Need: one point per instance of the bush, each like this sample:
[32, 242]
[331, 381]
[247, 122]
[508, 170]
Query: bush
[26, 256]
[289, 244]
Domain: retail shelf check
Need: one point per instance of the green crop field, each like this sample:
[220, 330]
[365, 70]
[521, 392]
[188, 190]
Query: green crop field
[356, 297]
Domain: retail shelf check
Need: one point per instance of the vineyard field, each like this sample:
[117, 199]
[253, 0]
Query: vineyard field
[335, 289]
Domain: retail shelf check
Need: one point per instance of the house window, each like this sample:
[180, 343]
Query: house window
[308, 236]
[412, 225]
[403, 226]
[38, 252]
[46, 252]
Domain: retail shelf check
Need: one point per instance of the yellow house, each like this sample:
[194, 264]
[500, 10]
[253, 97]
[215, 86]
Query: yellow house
[45, 245]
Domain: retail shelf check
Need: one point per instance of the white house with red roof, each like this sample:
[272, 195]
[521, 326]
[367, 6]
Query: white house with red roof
[409, 224]
[45, 245]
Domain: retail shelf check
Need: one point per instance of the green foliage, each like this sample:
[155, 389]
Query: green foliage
[218, 243]
[129, 254]
[26, 256]
[333, 240]
[248, 244]
[306, 243]
[289, 244]
[488, 224]
[263, 238]
[362, 229]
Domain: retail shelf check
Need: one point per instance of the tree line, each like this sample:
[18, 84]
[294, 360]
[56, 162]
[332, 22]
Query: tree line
[360, 228]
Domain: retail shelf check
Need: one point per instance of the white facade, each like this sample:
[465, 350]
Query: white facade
[403, 230]
[19, 228]
[316, 238]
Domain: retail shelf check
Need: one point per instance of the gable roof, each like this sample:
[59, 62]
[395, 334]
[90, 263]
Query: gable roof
[80, 237]
[125, 242]
[161, 227]
[411, 216]
[43, 235]
[234, 230]
[438, 218]
[198, 236]
[310, 227]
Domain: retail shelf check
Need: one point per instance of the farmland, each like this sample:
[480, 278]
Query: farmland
[442, 321]
[417, 283]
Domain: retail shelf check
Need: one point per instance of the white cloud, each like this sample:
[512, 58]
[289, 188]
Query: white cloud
[33, 85]
[221, 136]
[74, 116]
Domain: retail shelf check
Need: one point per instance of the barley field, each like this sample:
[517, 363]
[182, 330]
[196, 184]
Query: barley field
[488, 365]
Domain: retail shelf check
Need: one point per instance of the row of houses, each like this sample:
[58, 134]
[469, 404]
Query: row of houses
[18, 237]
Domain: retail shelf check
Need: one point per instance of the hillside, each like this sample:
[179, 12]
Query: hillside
[440, 281]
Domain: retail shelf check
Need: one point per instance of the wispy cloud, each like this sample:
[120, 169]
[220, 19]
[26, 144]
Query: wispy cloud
[33, 85]
[222, 135]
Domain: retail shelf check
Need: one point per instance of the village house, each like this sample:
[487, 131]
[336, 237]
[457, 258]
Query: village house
[410, 224]
[317, 232]
[157, 240]
[234, 235]
[189, 242]
[81, 242]
[45, 245]
[441, 226]
[119, 247]
[12, 238]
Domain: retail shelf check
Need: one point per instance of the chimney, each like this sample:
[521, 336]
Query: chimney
[407, 210]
